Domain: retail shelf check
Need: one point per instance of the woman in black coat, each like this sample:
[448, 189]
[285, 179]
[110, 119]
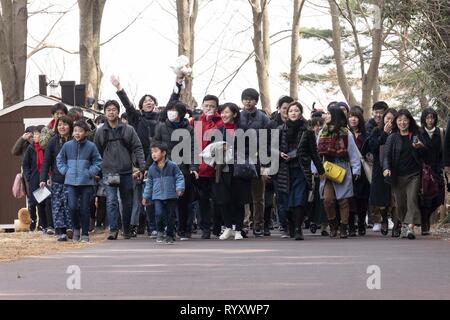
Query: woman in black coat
[432, 137]
[230, 190]
[297, 148]
[380, 190]
[361, 187]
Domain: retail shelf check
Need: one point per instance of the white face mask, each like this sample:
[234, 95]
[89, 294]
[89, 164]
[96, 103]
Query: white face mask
[172, 115]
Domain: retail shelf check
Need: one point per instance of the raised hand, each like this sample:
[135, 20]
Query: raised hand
[115, 81]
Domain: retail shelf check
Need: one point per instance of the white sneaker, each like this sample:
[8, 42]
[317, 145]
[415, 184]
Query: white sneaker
[226, 234]
[238, 235]
[376, 227]
[391, 224]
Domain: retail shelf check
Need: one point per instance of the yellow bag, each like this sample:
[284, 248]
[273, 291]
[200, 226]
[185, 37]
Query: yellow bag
[333, 172]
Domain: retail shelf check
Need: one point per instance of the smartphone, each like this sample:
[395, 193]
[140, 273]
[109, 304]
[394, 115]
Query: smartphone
[415, 140]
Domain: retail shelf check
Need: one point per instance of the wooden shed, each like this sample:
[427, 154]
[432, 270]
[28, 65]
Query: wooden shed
[13, 121]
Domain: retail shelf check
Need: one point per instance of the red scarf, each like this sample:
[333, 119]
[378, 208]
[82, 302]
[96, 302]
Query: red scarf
[231, 126]
[39, 156]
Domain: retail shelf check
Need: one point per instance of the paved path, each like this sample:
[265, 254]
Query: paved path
[269, 268]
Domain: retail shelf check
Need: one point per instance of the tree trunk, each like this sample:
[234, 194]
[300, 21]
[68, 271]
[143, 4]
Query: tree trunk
[13, 50]
[370, 79]
[187, 12]
[261, 45]
[342, 78]
[91, 13]
[296, 58]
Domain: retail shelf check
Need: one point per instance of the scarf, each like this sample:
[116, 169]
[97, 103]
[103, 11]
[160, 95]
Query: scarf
[293, 128]
[333, 144]
[231, 126]
[430, 132]
[39, 156]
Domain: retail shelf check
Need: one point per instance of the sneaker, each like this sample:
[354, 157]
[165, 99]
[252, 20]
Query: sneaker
[285, 235]
[133, 231]
[226, 234]
[324, 233]
[266, 232]
[62, 238]
[153, 234]
[404, 232]
[258, 233]
[376, 227]
[76, 235]
[299, 234]
[169, 240]
[69, 234]
[113, 234]
[84, 239]
[238, 235]
[160, 237]
[50, 231]
[410, 233]
[244, 233]
[184, 238]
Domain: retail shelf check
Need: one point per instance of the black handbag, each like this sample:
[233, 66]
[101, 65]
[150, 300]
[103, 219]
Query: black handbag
[245, 171]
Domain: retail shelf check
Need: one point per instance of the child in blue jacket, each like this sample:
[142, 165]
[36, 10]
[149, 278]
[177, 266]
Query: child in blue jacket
[165, 183]
[80, 161]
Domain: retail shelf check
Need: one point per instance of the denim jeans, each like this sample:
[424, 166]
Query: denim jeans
[150, 215]
[79, 200]
[125, 190]
[165, 213]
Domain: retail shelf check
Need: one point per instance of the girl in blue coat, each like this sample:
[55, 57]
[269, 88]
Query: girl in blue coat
[80, 161]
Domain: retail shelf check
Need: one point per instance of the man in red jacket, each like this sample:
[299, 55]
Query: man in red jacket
[210, 119]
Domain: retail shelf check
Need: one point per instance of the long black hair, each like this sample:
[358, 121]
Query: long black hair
[338, 118]
[425, 114]
[412, 123]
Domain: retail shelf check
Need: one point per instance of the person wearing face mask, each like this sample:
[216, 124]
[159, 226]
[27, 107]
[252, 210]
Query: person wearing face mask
[176, 112]
[297, 149]
[432, 137]
[403, 155]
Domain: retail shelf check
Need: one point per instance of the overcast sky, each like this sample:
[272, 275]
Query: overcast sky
[143, 54]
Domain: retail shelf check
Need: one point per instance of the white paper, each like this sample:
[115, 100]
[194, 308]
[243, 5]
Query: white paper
[41, 194]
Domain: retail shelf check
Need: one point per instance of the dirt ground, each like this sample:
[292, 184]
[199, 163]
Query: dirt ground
[14, 246]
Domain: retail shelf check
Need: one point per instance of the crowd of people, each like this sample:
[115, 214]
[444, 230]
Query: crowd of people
[336, 173]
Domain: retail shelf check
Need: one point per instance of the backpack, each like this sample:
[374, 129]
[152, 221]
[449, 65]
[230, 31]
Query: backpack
[107, 140]
[18, 188]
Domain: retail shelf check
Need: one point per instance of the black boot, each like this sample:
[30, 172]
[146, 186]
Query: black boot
[361, 228]
[333, 228]
[344, 231]
[299, 234]
[126, 232]
[352, 231]
[384, 223]
[133, 231]
[396, 230]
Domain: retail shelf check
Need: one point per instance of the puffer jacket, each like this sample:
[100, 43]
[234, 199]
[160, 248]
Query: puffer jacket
[80, 162]
[305, 150]
[163, 134]
[164, 184]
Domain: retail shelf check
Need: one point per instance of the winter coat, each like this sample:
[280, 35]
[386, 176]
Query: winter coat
[370, 126]
[344, 190]
[392, 150]
[30, 171]
[51, 152]
[164, 184]
[202, 141]
[361, 187]
[80, 162]
[301, 154]
[163, 134]
[143, 122]
[380, 191]
[253, 120]
[116, 146]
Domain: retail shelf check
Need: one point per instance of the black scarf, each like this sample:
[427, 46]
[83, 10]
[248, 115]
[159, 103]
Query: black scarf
[293, 128]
